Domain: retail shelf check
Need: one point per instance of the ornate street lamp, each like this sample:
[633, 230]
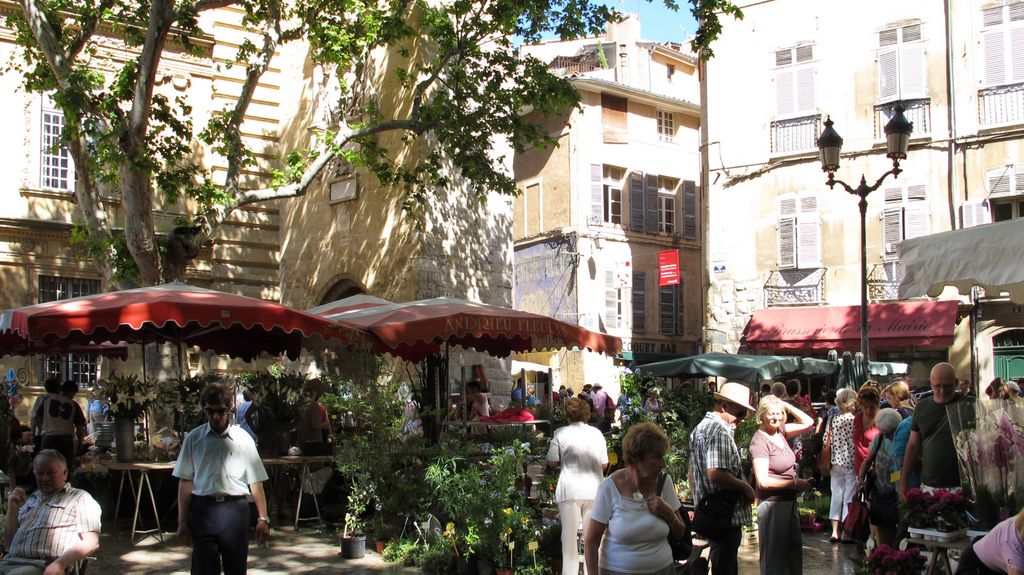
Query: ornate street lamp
[830, 143]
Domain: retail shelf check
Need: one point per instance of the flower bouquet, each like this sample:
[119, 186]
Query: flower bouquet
[128, 396]
[885, 560]
[990, 450]
[941, 509]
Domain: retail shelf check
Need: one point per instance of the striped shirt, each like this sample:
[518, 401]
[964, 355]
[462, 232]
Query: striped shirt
[712, 447]
[48, 526]
[219, 464]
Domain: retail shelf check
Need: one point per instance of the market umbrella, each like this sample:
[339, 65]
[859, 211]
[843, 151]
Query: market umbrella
[975, 256]
[748, 368]
[223, 323]
[417, 329]
[358, 301]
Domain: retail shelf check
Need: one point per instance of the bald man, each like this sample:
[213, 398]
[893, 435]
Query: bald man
[930, 447]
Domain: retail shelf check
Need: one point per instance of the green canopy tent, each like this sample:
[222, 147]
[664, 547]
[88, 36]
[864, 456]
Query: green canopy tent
[747, 368]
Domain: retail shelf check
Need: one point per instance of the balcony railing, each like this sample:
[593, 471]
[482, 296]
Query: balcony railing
[1001, 105]
[917, 111]
[795, 287]
[795, 134]
[884, 281]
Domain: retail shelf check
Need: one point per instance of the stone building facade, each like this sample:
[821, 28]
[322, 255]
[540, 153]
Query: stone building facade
[619, 192]
[780, 239]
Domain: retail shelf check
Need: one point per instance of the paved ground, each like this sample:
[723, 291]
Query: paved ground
[310, 551]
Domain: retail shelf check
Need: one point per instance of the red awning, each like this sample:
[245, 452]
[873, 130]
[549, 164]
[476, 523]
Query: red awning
[838, 327]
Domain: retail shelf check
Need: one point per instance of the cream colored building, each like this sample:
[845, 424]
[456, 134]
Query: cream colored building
[346, 235]
[780, 239]
[620, 188]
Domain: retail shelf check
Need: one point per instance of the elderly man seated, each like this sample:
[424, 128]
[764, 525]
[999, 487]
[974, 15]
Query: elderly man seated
[52, 529]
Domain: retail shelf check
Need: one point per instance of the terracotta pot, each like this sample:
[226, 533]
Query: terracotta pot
[504, 572]
[380, 544]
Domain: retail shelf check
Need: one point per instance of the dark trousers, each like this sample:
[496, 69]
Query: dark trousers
[970, 564]
[64, 444]
[220, 535]
[724, 552]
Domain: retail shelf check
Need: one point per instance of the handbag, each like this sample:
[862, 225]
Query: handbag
[857, 524]
[825, 457]
[681, 548]
[712, 517]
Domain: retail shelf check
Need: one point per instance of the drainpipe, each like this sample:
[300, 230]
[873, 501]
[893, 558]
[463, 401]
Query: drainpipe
[705, 285]
[950, 118]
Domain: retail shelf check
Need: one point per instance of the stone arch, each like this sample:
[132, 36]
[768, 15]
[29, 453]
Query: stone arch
[341, 288]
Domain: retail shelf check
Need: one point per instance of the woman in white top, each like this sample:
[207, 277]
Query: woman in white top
[844, 480]
[582, 453]
[631, 520]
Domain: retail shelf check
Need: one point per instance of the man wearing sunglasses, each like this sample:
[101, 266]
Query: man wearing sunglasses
[218, 470]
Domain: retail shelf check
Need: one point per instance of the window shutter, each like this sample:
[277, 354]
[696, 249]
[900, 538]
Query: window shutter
[808, 234]
[596, 193]
[912, 71]
[636, 201]
[1017, 53]
[892, 230]
[805, 90]
[915, 217]
[974, 213]
[1019, 179]
[917, 193]
[784, 96]
[668, 314]
[689, 210]
[887, 37]
[787, 238]
[614, 113]
[911, 33]
[999, 181]
[651, 204]
[888, 74]
[995, 72]
[992, 16]
[894, 194]
[639, 301]
[611, 301]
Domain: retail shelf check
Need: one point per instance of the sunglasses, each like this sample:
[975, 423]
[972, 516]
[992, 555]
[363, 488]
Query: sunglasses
[215, 411]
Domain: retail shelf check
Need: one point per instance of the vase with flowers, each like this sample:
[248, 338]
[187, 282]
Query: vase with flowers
[942, 510]
[884, 560]
[129, 398]
[989, 439]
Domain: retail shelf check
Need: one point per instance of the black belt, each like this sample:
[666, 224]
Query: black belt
[216, 498]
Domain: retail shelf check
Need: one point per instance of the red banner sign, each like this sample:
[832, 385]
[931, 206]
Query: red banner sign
[668, 268]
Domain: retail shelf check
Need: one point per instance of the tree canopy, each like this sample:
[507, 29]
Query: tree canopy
[130, 141]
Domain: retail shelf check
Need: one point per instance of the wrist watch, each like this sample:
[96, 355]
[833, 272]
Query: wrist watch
[267, 519]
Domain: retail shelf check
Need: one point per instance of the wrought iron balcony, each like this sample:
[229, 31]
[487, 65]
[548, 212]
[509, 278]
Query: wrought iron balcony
[884, 281]
[795, 287]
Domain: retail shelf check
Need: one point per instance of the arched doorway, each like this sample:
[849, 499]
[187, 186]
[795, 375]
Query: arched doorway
[1008, 349]
[342, 289]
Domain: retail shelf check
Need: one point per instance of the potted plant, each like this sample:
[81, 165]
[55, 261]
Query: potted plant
[128, 397]
[888, 561]
[353, 534]
[276, 397]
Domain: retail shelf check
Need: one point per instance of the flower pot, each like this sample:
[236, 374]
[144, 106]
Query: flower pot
[380, 544]
[353, 547]
[124, 438]
[504, 572]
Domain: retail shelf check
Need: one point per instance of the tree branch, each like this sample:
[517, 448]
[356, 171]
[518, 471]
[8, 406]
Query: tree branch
[49, 45]
[87, 27]
[202, 5]
[160, 20]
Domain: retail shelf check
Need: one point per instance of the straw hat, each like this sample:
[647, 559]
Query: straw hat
[736, 393]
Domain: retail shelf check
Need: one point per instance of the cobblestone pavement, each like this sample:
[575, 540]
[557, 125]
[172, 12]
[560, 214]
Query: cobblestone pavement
[310, 551]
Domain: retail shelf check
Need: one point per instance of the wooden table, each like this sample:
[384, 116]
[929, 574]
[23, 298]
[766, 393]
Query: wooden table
[940, 549]
[304, 475]
[143, 470]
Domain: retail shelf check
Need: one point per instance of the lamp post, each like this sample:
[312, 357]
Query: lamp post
[830, 143]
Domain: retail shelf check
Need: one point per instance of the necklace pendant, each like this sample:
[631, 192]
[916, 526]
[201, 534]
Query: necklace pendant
[637, 496]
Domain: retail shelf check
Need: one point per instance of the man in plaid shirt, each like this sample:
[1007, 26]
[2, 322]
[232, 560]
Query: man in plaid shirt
[715, 466]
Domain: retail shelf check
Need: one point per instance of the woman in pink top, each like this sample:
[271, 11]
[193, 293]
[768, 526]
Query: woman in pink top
[864, 430]
[1000, 552]
[778, 483]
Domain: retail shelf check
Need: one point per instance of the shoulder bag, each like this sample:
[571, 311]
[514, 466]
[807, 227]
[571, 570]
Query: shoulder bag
[681, 548]
[857, 524]
[825, 457]
[712, 517]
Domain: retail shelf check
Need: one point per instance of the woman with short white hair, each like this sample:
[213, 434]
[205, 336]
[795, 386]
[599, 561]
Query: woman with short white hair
[884, 502]
[840, 437]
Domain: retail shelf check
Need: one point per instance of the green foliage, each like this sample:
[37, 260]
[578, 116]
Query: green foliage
[435, 558]
[129, 396]
[111, 248]
[401, 551]
[276, 396]
[707, 13]
[182, 395]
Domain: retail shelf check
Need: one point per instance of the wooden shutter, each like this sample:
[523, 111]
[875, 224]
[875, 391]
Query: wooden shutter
[808, 234]
[639, 301]
[611, 300]
[596, 193]
[1017, 53]
[668, 315]
[912, 71]
[915, 212]
[888, 74]
[651, 204]
[805, 90]
[995, 68]
[636, 201]
[614, 119]
[974, 213]
[787, 233]
[689, 210]
[1000, 181]
[784, 92]
[892, 230]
